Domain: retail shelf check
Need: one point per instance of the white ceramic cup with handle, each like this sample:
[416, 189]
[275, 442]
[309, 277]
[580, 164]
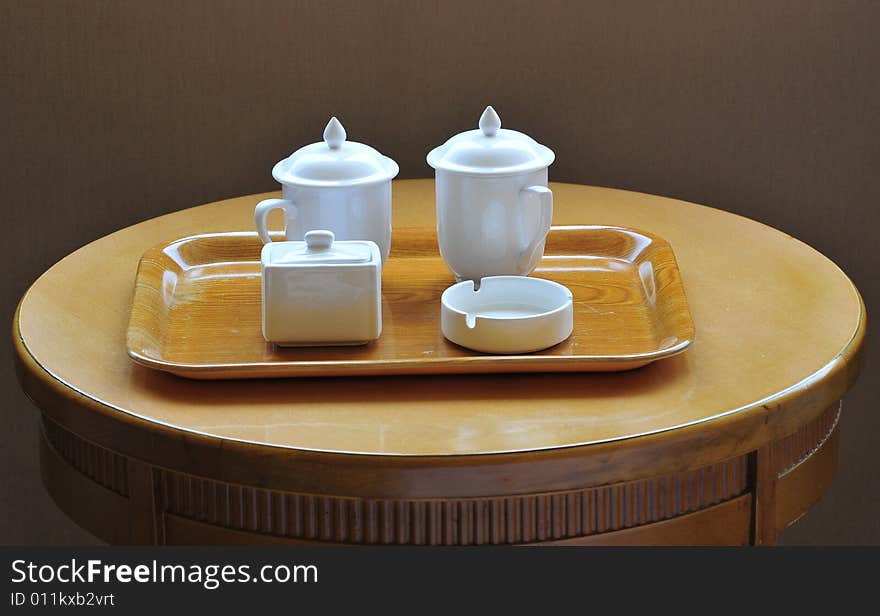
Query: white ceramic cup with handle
[337, 185]
[494, 208]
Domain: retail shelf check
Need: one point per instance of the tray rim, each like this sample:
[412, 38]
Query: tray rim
[485, 363]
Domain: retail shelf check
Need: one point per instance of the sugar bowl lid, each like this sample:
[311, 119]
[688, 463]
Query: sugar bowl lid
[335, 162]
[491, 150]
[319, 247]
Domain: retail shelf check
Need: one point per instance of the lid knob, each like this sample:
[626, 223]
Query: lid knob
[490, 122]
[334, 134]
[319, 239]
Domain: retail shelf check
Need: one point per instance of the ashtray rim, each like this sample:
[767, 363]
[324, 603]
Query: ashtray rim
[535, 282]
[534, 332]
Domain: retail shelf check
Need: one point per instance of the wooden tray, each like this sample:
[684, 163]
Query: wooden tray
[196, 310]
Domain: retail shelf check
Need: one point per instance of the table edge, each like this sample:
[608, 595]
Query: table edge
[674, 449]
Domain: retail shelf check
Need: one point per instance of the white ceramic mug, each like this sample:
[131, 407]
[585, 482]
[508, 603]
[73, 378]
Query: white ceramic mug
[352, 213]
[494, 209]
[335, 185]
[493, 226]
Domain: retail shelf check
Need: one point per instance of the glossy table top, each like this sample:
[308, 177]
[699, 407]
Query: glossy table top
[772, 317]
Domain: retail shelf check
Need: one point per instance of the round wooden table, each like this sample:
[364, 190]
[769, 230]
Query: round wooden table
[726, 443]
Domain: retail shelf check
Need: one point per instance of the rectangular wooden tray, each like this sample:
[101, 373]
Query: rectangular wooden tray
[196, 310]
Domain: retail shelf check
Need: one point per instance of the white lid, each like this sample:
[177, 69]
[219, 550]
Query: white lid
[491, 150]
[335, 162]
[319, 248]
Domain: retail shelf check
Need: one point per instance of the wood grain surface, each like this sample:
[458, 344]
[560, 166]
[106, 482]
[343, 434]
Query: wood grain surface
[780, 337]
[196, 311]
[781, 332]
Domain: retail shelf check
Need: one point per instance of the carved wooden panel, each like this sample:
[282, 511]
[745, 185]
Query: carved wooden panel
[478, 521]
[790, 451]
[101, 465]
[524, 518]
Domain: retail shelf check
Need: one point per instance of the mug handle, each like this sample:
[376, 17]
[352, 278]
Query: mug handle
[261, 214]
[544, 198]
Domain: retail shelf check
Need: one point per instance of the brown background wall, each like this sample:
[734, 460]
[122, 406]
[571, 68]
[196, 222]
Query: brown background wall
[114, 112]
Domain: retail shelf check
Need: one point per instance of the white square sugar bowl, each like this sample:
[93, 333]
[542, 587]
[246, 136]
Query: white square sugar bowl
[320, 292]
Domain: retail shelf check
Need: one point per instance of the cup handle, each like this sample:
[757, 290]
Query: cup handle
[543, 197]
[261, 214]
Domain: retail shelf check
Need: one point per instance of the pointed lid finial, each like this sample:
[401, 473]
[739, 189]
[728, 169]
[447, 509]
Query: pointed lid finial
[334, 161]
[334, 133]
[490, 122]
[490, 151]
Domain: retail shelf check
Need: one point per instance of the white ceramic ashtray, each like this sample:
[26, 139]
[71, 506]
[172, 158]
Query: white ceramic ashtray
[507, 314]
[320, 292]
